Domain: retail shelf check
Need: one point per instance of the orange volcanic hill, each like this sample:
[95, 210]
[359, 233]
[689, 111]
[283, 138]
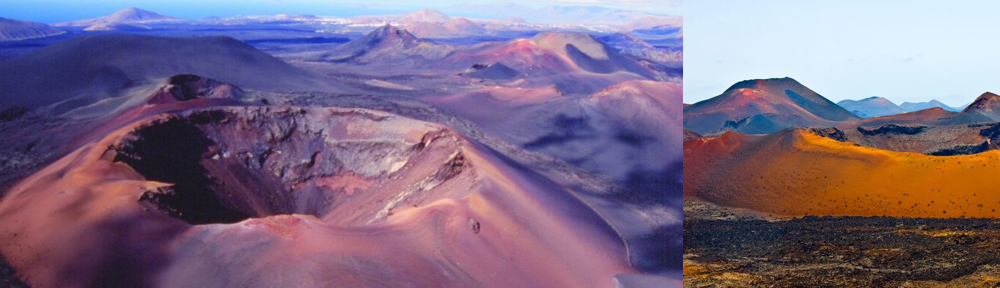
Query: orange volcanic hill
[764, 106]
[795, 173]
[987, 105]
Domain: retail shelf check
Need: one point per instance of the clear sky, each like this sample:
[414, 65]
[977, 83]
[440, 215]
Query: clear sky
[902, 50]
[51, 11]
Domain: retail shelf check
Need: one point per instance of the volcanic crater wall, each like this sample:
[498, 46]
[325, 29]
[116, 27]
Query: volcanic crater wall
[233, 164]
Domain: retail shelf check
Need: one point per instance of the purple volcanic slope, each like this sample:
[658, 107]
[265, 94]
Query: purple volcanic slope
[385, 44]
[83, 68]
[13, 30]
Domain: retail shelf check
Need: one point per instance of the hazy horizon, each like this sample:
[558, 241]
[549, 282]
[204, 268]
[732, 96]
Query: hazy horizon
[63, 11]
[903, 51]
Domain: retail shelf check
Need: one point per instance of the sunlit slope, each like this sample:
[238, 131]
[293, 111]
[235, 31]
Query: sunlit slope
[299, 197]
[796, 173]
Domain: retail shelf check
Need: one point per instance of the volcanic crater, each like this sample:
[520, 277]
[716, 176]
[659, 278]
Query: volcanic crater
[228, 165]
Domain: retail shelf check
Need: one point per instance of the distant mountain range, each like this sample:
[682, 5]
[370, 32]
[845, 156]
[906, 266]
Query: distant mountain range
[909, 106]
[871, 107]
[425, 16]
[458, 27]
[129, 15]
[663, 34]
[879, 106]
[553, 14]
[13, 30]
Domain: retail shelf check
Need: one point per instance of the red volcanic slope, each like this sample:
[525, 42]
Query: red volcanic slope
[987, 104]
[764, 106]
[551, 52]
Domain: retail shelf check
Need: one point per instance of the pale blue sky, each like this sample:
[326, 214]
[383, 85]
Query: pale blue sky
[51, 11]
[902, 50]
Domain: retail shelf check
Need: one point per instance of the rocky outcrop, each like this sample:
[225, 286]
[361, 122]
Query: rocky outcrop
[690, 135]
[944, 140]
[892, 129]
[187, 87]
[832, 133]
[495, 71]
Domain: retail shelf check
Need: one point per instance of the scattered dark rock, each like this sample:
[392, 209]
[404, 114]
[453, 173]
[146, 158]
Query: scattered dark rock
[892, 129]
[962, 150]
[12, 113]
[734, 125]
[832, 133]
[496, 71]
[838, 251]
[474, 225]
[8, 276]
[187, 87]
